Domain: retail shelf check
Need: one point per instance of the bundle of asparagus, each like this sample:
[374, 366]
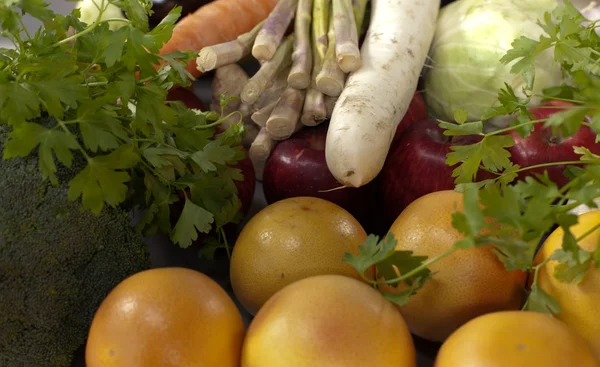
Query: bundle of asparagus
[301, 73]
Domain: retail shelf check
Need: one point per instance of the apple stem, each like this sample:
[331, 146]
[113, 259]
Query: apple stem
[215, 56]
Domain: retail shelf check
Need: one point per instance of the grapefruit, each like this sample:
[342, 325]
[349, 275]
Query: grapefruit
[466, 284]
[580, 303]
[167, 317]
[325, 321]
[515, 339]
[290, 240]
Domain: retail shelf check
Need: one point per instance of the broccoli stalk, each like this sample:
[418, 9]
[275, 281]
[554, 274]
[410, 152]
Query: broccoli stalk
[57, 264]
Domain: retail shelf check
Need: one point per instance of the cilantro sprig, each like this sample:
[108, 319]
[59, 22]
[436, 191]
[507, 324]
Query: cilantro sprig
[512, 215]
[77, 92]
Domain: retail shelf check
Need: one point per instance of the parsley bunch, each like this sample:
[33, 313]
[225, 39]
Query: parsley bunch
[514, 216]
[105, 92]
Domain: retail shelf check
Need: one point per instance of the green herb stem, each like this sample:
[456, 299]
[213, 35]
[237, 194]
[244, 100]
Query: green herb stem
[550, 164]
[224, 237]
[88, 30]
[588, 232]
[80, 148]
[535, 278]
[557, 99]
[419, 268]
[510, 128]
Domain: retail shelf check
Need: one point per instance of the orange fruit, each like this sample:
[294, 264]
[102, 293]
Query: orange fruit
[325, 321]
[168, 317]
[466, 284]
[290, 240]
[580, 303]
[515, 339]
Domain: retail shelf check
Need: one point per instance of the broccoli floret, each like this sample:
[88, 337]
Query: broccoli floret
[57, 264]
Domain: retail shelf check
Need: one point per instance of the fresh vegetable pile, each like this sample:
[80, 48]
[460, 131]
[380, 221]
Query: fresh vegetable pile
[485, 184]
[317, 72]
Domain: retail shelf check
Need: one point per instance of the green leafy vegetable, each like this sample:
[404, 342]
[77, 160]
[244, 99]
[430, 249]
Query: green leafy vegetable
[103, 90]
[514, 216]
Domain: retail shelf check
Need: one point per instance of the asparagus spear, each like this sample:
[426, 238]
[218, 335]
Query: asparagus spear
[251, 128]
[299, 77]
[212, 57]
[346, 45]
[261, 116]
[270, 35]
[259, 82]
[285, 118]
[331, 78]
[259, 152]
[319, 28]
[314, 107]
[329, 105]
[273, 91]
[359, 7]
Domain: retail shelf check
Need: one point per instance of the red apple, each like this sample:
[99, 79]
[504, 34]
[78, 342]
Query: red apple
[297, 167]
[542, 146]
[189, 99]
[417, 111]
[416, 166]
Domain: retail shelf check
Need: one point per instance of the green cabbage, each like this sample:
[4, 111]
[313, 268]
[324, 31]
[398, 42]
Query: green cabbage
[470, 39]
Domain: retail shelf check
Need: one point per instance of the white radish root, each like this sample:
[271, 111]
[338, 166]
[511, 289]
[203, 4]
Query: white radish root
[377, 95]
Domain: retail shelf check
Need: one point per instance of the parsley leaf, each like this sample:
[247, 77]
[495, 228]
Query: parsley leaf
[540, 301]
[213, 153]
[103, 179]
[27, 136]
[18, 103]
[371, 252]
[192, 218]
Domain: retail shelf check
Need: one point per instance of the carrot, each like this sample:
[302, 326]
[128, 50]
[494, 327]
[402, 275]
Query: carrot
[216, 22]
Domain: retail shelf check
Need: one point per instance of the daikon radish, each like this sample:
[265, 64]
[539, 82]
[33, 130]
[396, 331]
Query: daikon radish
[377, 95]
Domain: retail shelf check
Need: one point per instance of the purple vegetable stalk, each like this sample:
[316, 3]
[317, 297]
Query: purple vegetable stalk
[331, 79]
[260, 81]
[299, 77]
[213, 57]
[346, 45]
[285, 118]
[314, 111]
[260, 150]
[270, 36]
